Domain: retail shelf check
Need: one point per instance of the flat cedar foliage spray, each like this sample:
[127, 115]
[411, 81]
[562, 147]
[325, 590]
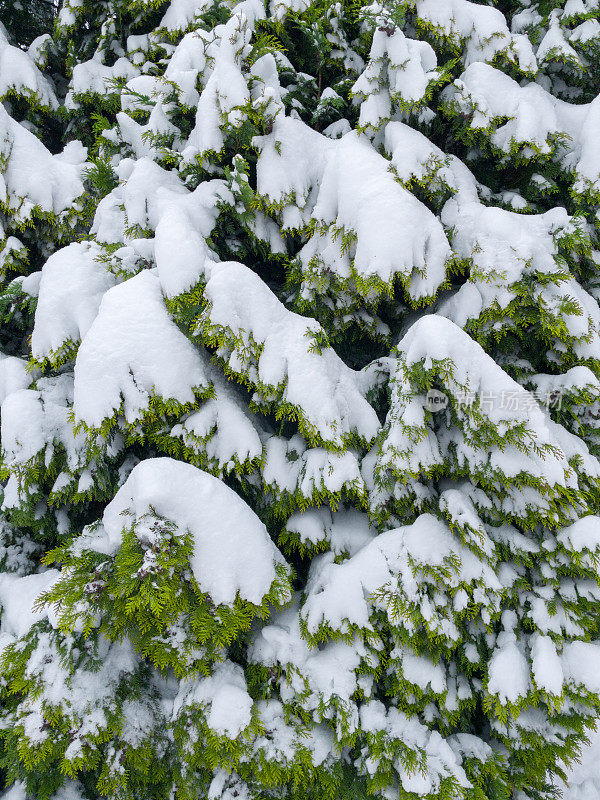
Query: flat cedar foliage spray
[300, 371]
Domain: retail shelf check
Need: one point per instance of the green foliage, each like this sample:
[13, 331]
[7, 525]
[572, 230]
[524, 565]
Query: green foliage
[423, 558]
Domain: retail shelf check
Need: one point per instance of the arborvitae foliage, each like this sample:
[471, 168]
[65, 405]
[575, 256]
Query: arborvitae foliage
[300, 370]
[26, 20]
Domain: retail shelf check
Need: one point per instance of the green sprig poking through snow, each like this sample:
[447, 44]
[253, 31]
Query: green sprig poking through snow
[243, 248]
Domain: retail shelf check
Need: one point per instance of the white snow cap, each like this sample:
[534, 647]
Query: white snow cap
[328, 393]
[13, 375]
[17, 599]
[32, 176]
[134, 349]
[233, 553]
[72, 286]
[19, 74]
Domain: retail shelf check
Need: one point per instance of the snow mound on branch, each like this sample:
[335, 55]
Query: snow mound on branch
[223, 696]
[291, 162]
[33, 419]
[504, 247]
[93, 77]
[290, 467]
[348, 188]
[182, 13]
[283, 738]
[72, 286]
[400, 70]
[327, 672]
[435, 338]
[482, 30]
[469, 375]
[440, 759]
[17, 599]
[341, 596]
[136, 203]
[584, 777]
[345, 531]
[186, 221]
[33, 177]
[395, 233]
[13, 375]
[225, 91]
[533, 117]
[19, 75]
[327, 393]
[232, 554]
[222, 429]
[134, 350]
[186, 64]
[154, 199]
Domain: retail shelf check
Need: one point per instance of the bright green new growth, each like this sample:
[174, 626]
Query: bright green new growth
[300, 384]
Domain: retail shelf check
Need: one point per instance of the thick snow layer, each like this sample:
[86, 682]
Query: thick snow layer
[341, 595]
[412, 154]
[17, 599]
[583, 781]
[581, 665]
[290, 467]
[181, 13]
[345, 531]
[291, 162]
[140, 138]
[504, 246]
[222, 696]
[225, 90]
[435, 339]
[20, 76]
[94, 77]
[510, 677]
[534, 117]
[327, 672]
[142, 93]
[395, 233]
[508, 668]
[441, 760]
[142, 191]
[72, 285]
[134, 350]
[14, 375]
[347, 187]
[481, 30]
[582, 535]
[33, 420]
[470, 376]
[400, 70]
[267, 89]
[233, 554]
[327, 393]
[31, 176]
[223, 428]
[572, 381]
[136, 203]
[185, 222]
[187, 62]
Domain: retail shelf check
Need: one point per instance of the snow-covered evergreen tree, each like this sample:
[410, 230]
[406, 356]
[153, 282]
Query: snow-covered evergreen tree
[300, 371]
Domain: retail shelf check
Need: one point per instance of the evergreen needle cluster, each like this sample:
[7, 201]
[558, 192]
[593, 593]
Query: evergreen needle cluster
[300, 384]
